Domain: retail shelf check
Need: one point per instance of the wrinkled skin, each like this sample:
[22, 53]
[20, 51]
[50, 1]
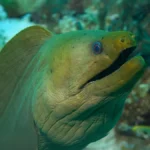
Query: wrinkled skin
[69, 114]
[54, 95]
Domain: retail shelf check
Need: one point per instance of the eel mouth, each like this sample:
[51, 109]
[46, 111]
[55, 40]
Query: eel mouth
[124, 56]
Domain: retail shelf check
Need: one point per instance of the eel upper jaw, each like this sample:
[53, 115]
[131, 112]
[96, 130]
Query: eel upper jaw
[122, 58]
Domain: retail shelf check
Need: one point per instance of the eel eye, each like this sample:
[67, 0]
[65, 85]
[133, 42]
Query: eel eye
[97, 47]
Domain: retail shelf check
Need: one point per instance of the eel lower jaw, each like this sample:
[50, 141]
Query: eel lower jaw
[124, 56]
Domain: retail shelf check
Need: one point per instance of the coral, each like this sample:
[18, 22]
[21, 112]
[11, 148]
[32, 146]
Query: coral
[140, 97]
[46, 11]
[21, 7]
[77, 6]
[137, 111]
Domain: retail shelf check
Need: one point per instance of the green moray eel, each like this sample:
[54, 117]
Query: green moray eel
[64, 91]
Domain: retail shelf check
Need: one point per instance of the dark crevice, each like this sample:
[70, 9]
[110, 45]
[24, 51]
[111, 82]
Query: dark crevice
[122, 58]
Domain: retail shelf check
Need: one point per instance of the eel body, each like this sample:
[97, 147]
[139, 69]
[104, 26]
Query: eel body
[64, 91]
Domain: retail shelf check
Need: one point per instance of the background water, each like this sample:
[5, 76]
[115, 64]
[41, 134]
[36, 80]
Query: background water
[133, 130]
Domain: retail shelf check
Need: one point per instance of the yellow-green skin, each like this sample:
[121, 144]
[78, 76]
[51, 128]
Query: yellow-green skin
[66, 114]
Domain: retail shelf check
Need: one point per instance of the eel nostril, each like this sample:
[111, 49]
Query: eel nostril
[133, 36]
[122, 40]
